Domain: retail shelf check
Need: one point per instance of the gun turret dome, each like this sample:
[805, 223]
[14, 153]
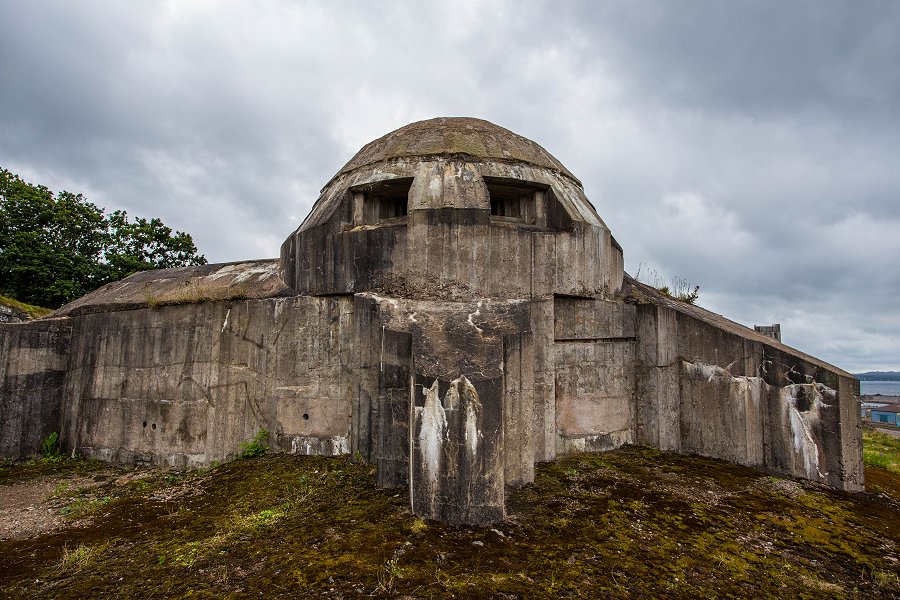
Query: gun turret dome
[444, 208]
[455, 136]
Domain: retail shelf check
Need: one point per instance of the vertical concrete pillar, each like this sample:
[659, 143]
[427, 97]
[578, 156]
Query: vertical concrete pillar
[852, 478]
[518, 408]
[540, 208]
[391, 416]
[359, 204]
[659, 395]
[367, 375]
[456, 466]
[667, 386]
[544, 411]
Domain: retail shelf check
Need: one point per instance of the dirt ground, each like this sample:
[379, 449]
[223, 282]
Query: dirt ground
[30, 508]
[31, 505]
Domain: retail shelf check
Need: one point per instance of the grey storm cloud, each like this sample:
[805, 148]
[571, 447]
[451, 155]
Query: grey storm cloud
[748, 147]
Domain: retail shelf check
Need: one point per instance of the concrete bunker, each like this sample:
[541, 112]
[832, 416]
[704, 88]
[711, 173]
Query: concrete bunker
[454, 310]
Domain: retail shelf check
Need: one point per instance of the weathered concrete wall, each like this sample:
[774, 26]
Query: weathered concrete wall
[819, 406]
[33, 360]
[594, 395]
[594, 361]
[705, 388]
[185, 384]
[453, 253]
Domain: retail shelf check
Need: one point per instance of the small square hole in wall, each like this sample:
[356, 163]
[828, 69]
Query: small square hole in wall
[513, 201]
[385, 201]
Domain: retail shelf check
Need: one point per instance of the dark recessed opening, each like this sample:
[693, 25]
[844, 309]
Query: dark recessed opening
[383, 201]
[795, 376]
[513, 201]
[506, 207]
[305, 416]
[145, 423]
[153, 426]
[804, 400]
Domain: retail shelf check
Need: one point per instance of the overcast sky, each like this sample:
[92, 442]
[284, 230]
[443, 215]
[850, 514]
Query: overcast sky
[752, 148]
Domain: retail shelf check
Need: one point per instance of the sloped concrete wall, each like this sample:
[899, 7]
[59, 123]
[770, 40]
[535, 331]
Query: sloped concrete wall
[704, 389]
[33, 361]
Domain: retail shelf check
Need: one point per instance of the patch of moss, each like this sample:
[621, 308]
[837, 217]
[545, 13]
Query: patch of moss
[11, 472]
[194, 292]
[631, 523]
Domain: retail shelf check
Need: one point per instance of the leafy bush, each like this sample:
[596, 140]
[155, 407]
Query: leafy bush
[255, 447]
[50, 447]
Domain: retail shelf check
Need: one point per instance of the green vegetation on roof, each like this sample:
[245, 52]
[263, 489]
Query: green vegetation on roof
[35, 312]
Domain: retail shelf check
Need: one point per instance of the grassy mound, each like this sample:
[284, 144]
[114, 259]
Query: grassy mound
[32, 311]
[634, 523]
[881, 450]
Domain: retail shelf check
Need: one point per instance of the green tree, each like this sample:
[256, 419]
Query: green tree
[54, 249]
[141, 244]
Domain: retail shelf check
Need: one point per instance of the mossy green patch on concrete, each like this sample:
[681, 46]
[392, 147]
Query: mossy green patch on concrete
[31, 310]
[634, 523]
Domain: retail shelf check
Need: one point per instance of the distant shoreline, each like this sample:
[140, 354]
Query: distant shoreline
[878, 376]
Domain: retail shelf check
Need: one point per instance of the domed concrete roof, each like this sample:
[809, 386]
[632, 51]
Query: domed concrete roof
[448, 136]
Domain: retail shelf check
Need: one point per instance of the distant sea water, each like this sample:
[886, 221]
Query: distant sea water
[885, 388]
